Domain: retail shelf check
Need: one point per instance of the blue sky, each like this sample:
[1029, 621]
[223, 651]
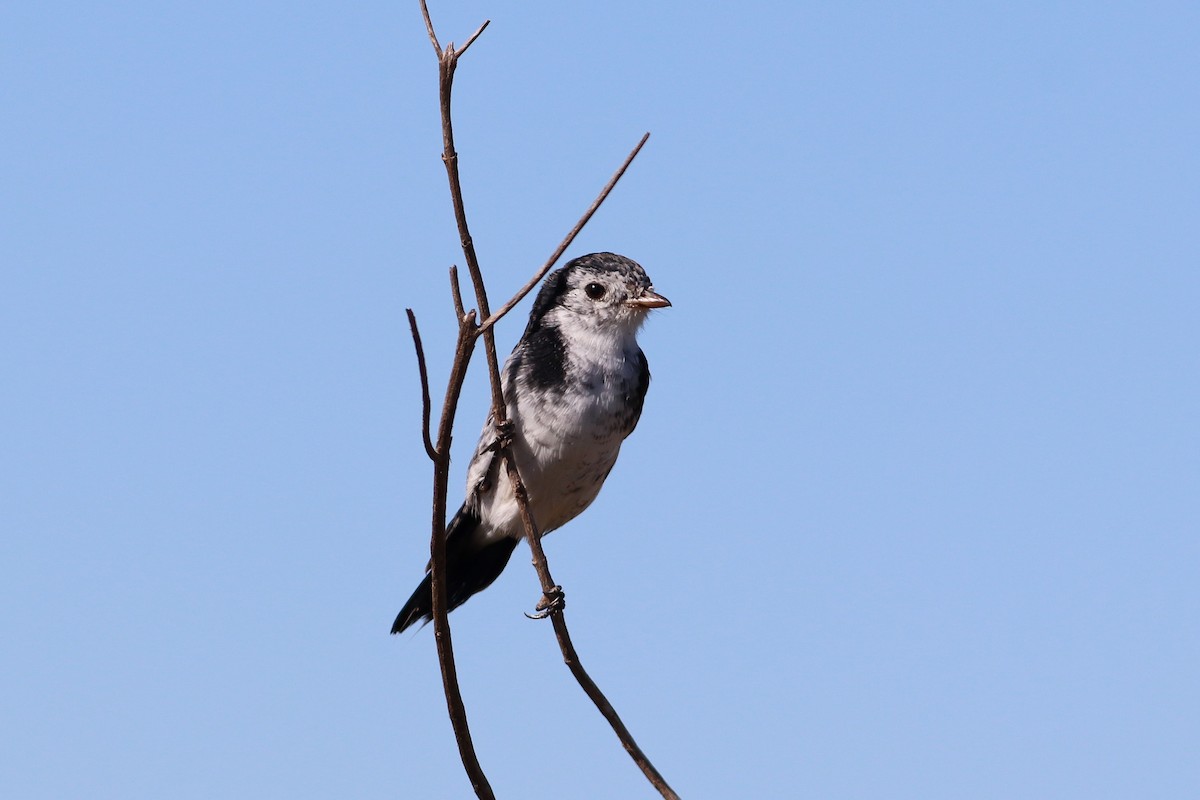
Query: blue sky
[912, 510]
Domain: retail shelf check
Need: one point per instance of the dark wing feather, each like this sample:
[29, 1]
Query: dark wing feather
[637, 395]
[470, 568]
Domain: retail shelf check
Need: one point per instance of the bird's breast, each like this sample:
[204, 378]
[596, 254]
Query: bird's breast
[567, 433]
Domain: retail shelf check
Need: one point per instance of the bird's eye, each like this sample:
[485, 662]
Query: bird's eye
[594, 291]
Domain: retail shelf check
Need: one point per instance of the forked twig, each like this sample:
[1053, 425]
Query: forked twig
[467, 337]
[469, 332]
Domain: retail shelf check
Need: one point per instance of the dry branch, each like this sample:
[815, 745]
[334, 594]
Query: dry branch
[570, 237]
[468, 334]
[425, 404]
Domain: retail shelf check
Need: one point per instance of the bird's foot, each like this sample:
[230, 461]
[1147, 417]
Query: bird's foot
[503, 441]
[504, 436]
[552, 602]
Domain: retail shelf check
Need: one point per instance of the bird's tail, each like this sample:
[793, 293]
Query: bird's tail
[471, 567]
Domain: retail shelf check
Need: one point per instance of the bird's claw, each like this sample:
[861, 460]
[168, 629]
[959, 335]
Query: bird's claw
[504, 436]
[552, 602]
[503, 441]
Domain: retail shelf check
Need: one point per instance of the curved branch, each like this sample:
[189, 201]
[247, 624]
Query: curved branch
[416, 334]
[437, 561]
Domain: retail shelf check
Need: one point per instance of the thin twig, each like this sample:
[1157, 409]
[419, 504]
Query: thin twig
[491, 320]
[471, 39]
[437, 561]
[456, 294]
[425, 386]
[593, 691]
[447, 63]
[570, 656]
[437, 48]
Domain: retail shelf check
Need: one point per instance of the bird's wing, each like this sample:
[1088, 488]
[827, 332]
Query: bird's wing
[637, 395]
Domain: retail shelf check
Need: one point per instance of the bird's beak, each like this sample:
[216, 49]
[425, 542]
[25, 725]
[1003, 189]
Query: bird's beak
[648, 299]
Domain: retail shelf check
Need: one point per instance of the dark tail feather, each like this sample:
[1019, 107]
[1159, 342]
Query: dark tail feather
[470, 568]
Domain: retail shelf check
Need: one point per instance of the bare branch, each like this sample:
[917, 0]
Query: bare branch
[437, 47]
[437, 561]
[606, 710]
[416, 334]
[491, 320]
[553, 593]
[448, 61]
[468, 334]
[456, 294]
[473, 37]
[532, 532]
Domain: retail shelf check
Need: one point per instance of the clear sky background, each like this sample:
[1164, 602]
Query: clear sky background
[913, 508]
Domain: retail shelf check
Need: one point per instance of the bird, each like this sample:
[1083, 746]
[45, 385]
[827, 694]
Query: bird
[573, 388]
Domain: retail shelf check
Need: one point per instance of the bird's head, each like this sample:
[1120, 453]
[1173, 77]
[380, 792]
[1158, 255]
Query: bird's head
[597, 291]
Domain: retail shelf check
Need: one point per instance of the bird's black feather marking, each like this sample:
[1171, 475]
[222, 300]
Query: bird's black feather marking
[469, 570]
[545, 356]
[549, 295]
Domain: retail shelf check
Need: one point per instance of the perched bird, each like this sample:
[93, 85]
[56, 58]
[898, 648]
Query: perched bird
[573, 387]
